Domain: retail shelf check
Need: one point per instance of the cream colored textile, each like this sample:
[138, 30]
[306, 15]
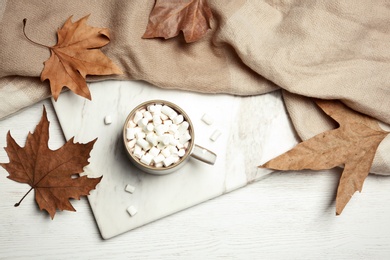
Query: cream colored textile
[311, 48]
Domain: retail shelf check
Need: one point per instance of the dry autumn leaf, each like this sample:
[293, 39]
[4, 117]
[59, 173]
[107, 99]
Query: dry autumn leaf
[168, 18]
[353, 144]
[52, 174]
[75, 56]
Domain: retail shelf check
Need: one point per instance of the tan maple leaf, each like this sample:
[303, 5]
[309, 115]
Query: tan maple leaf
[75, 56]
[52, 174]
[168, 18]
[352, 145]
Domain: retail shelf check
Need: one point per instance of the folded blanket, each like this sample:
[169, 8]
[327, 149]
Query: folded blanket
[328, 49]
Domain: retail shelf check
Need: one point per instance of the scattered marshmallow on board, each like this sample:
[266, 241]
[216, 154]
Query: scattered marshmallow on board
[206, 118]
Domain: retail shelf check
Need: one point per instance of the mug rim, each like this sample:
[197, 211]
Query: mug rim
[179, 110]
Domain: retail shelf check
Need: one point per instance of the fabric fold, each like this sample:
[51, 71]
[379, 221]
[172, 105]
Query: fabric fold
[325, 49]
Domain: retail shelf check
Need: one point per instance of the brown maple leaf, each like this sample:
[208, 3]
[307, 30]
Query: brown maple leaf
[52, 174]
[75, 56]
[169, 17]
[353, 144]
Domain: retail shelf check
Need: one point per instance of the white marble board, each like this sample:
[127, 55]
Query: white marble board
[254, 130]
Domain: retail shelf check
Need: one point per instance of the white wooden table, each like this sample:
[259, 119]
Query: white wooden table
[283, 216]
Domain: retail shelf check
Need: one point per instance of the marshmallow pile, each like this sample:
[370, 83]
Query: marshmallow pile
[158, 135]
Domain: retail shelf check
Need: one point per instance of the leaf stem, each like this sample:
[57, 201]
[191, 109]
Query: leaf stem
[20, 201]
[25, 35]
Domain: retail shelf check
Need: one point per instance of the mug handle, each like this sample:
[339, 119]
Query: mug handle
[203, 154]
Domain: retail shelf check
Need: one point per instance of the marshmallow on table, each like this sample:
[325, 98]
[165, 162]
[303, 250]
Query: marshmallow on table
[108, 120]
[207, 119]
[215, 135]
[132, 210]
[129, 188]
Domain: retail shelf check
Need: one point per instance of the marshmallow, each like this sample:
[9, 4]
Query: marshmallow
[173, 149]
[169, 161]
[130, 133]
[159, 165]
[160, 129]
[183, 127]
[148, 116]
[108, 120]
[131, 124]
[163, 116]
[149, 127]
[138, 116]
[176, 159]
[173, 115]
[166, 152]
[165, 139]
[215, 135]
[152, 139]
[178, 119]
[131, 143]
[185, 137]
[138, 152]
[168, 123]
[143, 123]
[147, 158]
[173, 141]
[207, 119]
[132, 210]
[157, 120]
[158, 159]
[181, 152]
[154, 151]
[145, 145]
[151, 108]
[129, 188]
[179, 145]
[166, 110]
[160, 146]
[139, 135]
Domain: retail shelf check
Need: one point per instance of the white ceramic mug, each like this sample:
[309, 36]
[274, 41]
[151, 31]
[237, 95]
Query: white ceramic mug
[192, 150]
